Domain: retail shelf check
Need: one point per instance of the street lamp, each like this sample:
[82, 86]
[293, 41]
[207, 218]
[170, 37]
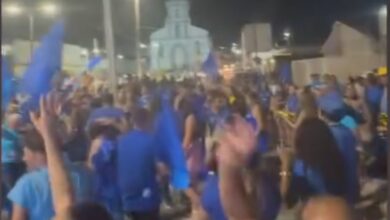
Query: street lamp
[120, 56]
[14, 10]
[143, 46]
[50, 8]
[287, 37]
[137, 36]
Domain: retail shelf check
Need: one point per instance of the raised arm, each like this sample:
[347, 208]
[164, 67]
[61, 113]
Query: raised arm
[60, 183]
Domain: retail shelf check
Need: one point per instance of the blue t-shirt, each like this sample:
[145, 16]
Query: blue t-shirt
[33, 193]
[136, 171]
[346, 142]
[292, 104]
[11, 147]
[331, 101]
[349, 122]
[313, 178]
[211, 201]
[374, 95]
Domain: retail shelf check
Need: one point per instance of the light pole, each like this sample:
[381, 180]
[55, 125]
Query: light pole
[110, 45]
[137, 36]
[15, 10]
[287, 37]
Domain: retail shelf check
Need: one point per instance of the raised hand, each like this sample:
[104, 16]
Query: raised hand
[237, 143]
[49, 110]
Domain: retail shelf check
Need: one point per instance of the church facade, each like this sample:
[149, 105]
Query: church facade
[178, 45]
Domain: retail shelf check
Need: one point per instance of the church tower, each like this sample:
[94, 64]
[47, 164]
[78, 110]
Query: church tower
[178, 45]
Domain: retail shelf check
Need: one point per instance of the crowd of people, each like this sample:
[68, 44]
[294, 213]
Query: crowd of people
[90, 154]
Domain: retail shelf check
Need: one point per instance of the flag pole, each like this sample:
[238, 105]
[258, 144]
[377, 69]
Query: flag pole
[109, 40]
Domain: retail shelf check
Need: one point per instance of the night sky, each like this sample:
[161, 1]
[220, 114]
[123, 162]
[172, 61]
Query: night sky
[309, 20]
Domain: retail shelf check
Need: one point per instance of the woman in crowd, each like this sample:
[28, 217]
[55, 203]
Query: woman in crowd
[193, 145]
[308, 106]
[258, 113]
[311, 172]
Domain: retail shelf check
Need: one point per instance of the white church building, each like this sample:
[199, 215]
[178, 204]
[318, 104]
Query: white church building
[178, 45]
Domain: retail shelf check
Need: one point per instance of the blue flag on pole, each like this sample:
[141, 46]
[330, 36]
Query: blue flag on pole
[7, 85]
[45, 63]
[285, 73]
[171, 150]
[210, 66]
[93, 62]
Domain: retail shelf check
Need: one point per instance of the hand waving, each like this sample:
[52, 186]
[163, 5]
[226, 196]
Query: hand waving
[237, 143]
[49, 110]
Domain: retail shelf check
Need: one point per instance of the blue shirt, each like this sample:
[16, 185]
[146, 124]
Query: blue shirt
[136, 170]
[11, 147]
[374, 95]
[293, 104]
[211, 201]
[33, 192]
[331, 101]
[346, 142]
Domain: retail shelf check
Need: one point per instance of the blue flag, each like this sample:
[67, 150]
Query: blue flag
[93, 62]
[45, 63]
[210, 66]
[171, 150]
[7, 85]
[285, 73]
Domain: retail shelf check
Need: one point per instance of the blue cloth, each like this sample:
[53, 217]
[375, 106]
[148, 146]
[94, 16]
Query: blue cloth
[349, 122]
[292, 104]
[210, 198]
[262, 144]
[105, 112]
[210, 66]
[93, 62]
[167, 135]
[136, 171]
[32, 191]
[11, 146]
[106, 187]
[313, 178]
[7, 84]
[374, 95]
[346, 142]
[46, 62]
[331, 101]
[286, 74]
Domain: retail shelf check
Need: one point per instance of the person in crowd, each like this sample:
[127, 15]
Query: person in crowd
[102, 161]
[347, 144]
[76, 146]
[63, 191]
[108, 111]
[32, 195]
[373, 96]
[192, 142]
[326, 208]
[12, 165]
[352, 99]
[137, 170]
[257, 112]
[315, 80]
[292, 104]
[311, 174]
[384, 82]
[308, 106]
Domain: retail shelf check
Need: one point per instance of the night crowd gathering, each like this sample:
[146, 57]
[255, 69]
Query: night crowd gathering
[248, 148]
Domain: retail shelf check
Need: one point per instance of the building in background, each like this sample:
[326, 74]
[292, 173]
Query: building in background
[178, 45]
[347, 52]
[75, 59]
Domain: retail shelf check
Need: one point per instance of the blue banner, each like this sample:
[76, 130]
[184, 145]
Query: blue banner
[7, 84]
[93, 62]
[210, 66]
[45, 63]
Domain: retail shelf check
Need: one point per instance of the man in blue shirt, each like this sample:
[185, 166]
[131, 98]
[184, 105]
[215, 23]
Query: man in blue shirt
[31, 196]
[137, 170]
